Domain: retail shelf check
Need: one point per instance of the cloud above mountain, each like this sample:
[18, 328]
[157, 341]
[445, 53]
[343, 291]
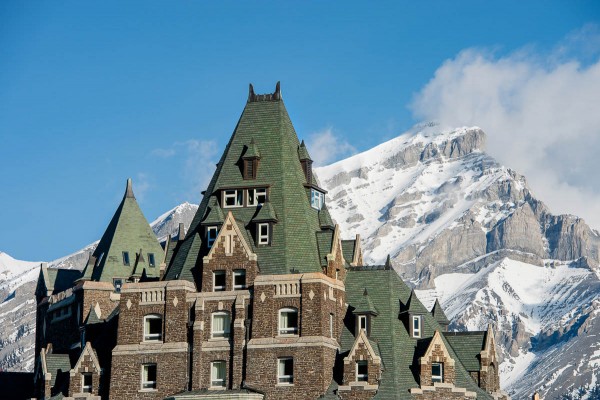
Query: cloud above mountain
[540, 112]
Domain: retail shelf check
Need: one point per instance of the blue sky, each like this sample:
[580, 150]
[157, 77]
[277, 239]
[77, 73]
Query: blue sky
[94, 93]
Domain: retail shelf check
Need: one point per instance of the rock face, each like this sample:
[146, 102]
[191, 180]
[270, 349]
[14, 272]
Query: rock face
[17, 286]
[455, 223]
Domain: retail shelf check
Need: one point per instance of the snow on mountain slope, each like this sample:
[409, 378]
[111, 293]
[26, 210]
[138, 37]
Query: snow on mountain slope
[17, 286]
[468, 230]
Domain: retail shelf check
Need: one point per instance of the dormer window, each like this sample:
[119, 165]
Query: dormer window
[263, 234]
[416, 326]
[233, 198]
[317, 199]
[211, 235]
[250, 168]
[362, 371]
[255, 197]
[125, 258]
[437, 372]
[151, 260]
[363, 322]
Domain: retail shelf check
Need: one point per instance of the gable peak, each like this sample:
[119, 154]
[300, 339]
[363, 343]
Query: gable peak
[129, 190]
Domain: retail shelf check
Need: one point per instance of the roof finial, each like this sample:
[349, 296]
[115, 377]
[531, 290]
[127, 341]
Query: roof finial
[365, 293]
[277, 94]
[129, 190]
[251, 95]
[388, 262]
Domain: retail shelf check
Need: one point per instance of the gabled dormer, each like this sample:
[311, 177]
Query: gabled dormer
[264, 222]
[306, 163]
[414, 314]
[250, 161]
[212, 222]
[364, 314]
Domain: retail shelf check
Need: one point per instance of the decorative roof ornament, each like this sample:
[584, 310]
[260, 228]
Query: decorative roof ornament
[303, 152]
[252, 151]
[129, 190]
[365, 305]
[275, 96]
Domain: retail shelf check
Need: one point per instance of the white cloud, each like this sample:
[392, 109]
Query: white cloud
[141, 186]
[326, 147]
[199, 165]
[541, 114]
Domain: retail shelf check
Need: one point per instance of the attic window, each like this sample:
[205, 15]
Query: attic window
[239, 279]
[151, 260]
[250, 167]
[86, 383]
[263, 233]
[211, 235]
[416, 326]
[255, 197]
[437, 372]
[218, 281]
[233, 198]
[125, 258]
[362, 322]
[362, 371]
[317, 199]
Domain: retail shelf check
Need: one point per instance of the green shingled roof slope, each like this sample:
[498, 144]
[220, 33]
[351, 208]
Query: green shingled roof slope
[439, 314]
[61, 279]
[365, 305]
[56, 362]
[348, 249]
[467, 346]
[399, 352]
[127, 231]
[293, 241]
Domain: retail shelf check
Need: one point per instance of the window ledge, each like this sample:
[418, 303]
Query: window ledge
[285, 384]
[147, 390]
[217, 388]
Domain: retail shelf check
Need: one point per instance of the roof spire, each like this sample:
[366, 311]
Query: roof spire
[277, 94]
[129, 190]
[251, 95]
[388, 262]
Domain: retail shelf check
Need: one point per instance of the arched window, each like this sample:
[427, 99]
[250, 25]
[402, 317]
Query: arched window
[221, 324]
[288, 321]
[152, 328]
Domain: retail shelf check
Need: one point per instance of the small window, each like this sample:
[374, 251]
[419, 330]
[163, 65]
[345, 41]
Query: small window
[317, 199]
[217, 374]
[362, 322]
[288, 321]
[151, 261]
[233, 198]
[250, 167]
[218, 281]
[255, 197]
[330, 325]
[239, 279]
[416, 323]
[261, 195]
[86, 383]
[211, 235]
[118, 284]
[221, 324]
[264, 234]
[152, 328]
[149, 376]
[362, 371]
[285, 370]
[125, 258]
[437, 372]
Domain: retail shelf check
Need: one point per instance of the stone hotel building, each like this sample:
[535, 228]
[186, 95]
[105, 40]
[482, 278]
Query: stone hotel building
[264, 297]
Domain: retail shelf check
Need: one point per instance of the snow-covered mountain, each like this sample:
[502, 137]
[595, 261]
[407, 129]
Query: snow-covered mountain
[467, 230]
[17, 286]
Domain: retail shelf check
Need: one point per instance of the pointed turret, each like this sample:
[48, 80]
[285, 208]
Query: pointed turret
[365, 305]
[127, 232]
[438, 314]
[275, 189]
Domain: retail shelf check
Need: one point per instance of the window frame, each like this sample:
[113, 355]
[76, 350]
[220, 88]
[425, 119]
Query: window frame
[317, 199]
[285, 379]
[152, 337]
[238, 273]
[362, 317]
[263, 239]
[210, 241]
[151, 260]
[120, 286]
[331, 325]
[288, 330]
[236, 194]
[226, 332]
[126, 259]
[361, 377]
[250, 174]
[220, 288]
[86, 388]
[148, 385]
[437, 378]
[416, 332]
[219, 364]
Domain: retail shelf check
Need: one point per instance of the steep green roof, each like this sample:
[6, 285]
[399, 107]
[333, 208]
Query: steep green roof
[348, 249]
[128, 231]
[399, 352]
[438, 314]
[467, 346]
[414, 305]
[293, 241]
[214, 213]
[365, 305]
[252, 150]
[265, 213]
[303, 152]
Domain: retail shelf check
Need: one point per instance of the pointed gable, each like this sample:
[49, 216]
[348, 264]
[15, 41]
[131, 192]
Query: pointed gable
[439, 315]
[128, 231]
[230, 240]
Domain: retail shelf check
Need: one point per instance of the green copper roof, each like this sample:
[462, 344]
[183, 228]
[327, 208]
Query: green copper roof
[438, 314]
[399, 352]
[128, 231]
[325, 220]
[365, 305]
[467, 346]
[252, 151]
[265, 213]
[348, 249]
[303, 152]
[293, 241]
[214, 213]
[414, 305]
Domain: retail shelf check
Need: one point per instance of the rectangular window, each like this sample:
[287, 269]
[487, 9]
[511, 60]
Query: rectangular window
[118, 284]
[86, 383]
[125, 258]
[285, 370]
[151, 261]
[362, 322]
[416, 324]
[221, 325]
[217, 374]
[233, 198]
[149, 376]
[239, 279]
[437, 372]
[362, 371]
[317, 199]
[288, 321]
[255, 197]
[211, 235]
[249, 170]
[152, 328]
[330, 325]
[263, 234]
[219, 281]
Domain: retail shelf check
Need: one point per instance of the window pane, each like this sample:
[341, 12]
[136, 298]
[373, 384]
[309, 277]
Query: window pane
[239, 279]
[151, 259]
[125, 258]
[285, 370]
[219, 281]
[437, 370]
[362, 370]
[251, 199]
[288, 321]
[261, 196]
